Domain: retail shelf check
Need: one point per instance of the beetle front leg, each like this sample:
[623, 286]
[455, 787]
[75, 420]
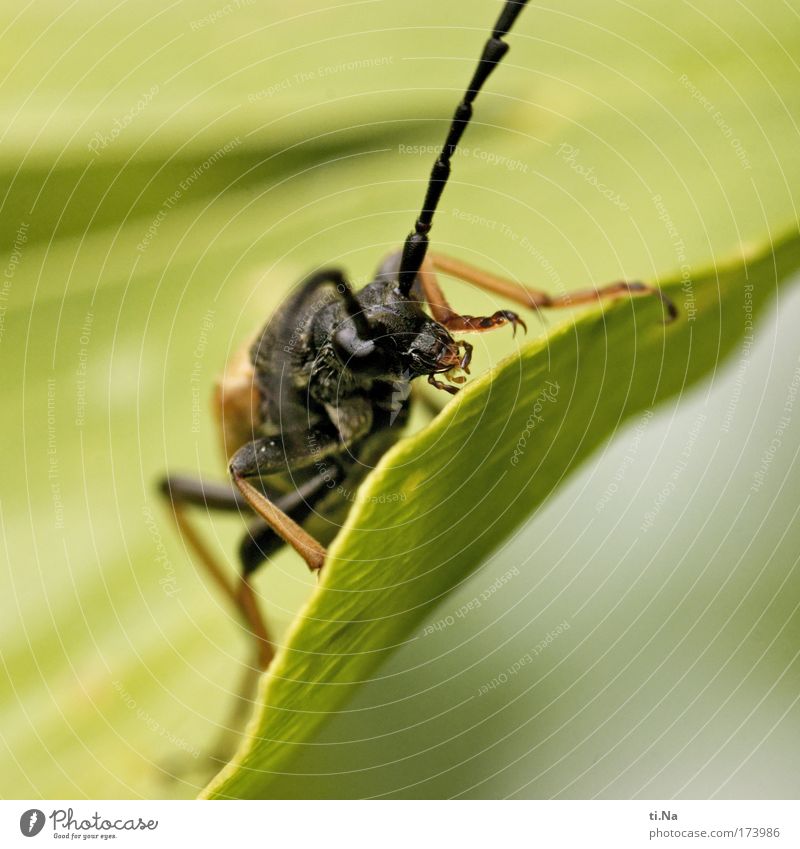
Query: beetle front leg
[453, 321]
[267, 456]
[537, 298]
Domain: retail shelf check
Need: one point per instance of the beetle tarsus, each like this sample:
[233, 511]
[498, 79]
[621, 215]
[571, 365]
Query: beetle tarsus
[437, 384]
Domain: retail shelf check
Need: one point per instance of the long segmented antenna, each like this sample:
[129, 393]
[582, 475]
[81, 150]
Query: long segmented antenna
[416, 244]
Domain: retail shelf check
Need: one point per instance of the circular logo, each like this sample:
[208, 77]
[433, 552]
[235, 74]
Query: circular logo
[31, 822]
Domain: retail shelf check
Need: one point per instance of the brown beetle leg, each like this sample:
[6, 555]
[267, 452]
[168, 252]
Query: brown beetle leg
[538, 299]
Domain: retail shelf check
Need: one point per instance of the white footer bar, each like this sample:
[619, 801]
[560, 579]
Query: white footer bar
[402, 824]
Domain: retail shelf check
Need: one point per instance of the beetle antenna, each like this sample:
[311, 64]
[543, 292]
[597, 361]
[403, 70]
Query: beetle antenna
[416, 244]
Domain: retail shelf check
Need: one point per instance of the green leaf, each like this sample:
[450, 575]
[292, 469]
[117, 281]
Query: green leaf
[461, 486]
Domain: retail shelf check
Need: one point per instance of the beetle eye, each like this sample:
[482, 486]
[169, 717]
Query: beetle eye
[361, 355]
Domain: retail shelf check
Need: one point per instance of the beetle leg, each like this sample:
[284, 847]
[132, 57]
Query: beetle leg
[538, 299]
[482, 323]
[453, 321]
[261, 541]
[266, 456]
[303, 543]
[183, 492]
[437, 384]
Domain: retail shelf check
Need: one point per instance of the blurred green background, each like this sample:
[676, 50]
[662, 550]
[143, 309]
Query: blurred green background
[168, 173]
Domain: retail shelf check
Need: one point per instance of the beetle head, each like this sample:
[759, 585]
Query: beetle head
[433, 351]
[404, 342]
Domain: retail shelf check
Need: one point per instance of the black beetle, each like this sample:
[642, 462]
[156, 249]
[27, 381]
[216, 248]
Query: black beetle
[324, 389]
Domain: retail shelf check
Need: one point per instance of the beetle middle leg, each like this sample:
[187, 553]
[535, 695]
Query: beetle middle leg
[267, 456]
